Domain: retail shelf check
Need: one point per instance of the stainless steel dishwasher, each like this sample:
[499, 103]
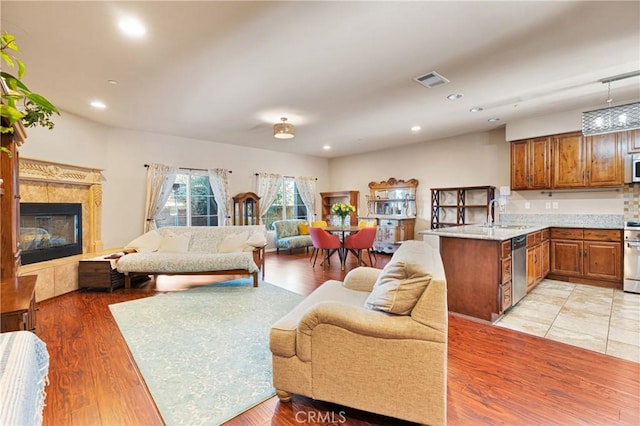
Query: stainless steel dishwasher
[518, 268]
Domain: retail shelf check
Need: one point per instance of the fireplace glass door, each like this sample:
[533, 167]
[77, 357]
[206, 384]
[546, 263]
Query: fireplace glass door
[50, 231]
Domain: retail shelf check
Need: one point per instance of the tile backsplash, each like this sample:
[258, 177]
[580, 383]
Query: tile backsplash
[631, 193]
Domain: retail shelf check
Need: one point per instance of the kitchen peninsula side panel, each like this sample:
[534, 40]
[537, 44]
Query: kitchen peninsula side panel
[473, 281]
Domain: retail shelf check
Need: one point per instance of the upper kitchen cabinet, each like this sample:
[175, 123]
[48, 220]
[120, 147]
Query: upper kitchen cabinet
[569, 157]
[605, 160]
[569, 161]
[631, 141]
[531, 164]
[592, 161]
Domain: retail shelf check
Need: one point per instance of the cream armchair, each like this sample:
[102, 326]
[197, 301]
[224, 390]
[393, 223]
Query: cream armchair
[336, 347]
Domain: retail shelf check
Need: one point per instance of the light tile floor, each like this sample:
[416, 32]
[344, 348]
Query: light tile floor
[600, 319]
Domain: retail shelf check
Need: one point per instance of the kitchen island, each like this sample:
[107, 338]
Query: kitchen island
[479, 265]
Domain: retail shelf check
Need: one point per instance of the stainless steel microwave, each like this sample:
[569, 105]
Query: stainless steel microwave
[632, 168]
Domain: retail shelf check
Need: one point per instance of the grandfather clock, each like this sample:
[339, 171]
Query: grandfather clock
[246, 209]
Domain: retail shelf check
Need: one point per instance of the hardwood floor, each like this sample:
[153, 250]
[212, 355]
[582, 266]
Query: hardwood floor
[496, 375]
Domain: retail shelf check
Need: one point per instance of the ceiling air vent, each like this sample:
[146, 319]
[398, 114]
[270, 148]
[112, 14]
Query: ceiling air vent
[431, 79]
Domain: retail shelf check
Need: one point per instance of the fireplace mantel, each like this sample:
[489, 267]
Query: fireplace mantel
[47, 171]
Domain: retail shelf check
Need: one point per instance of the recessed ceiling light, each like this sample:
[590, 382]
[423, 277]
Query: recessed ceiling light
[132, 27]
[326, 147]
[98, 104]
[455, 96]
[476, 109]
[114, 82]
[416, 128]
[493, 120]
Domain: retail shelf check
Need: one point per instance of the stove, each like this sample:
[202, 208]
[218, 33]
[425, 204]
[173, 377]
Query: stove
[632, 256]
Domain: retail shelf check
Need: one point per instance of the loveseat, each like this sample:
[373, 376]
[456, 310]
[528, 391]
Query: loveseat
[204, 250]
[343, 344]
[288, 236]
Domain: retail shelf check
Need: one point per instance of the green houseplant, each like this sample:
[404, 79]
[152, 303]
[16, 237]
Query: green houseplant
[20, 103]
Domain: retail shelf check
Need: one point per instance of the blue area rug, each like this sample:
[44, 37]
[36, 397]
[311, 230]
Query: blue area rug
[204, 353]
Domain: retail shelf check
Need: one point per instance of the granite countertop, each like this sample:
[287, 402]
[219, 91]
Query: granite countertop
[480, 232]
[506, 231]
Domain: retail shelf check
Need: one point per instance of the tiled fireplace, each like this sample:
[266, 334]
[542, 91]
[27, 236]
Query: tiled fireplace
[46, 182]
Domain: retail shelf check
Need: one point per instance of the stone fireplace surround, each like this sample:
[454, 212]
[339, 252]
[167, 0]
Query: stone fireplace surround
[48, 182]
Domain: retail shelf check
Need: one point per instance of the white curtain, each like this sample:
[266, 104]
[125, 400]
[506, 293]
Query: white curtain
[307, 190]
[219, 181]
[160, 179]
[268, 186]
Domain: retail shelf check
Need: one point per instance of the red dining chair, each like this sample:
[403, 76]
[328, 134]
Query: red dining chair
[322, 240]
[362, 240]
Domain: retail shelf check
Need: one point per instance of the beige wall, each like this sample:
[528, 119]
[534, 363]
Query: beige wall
[468, 160]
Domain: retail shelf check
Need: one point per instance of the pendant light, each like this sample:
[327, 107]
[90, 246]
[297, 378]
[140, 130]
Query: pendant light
[283, 130]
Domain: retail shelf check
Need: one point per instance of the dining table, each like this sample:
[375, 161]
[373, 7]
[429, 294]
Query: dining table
[343, 231]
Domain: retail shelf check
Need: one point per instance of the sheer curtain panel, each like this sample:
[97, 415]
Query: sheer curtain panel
[160, 179]
[219, 181]
[268, 186]
[307, 190]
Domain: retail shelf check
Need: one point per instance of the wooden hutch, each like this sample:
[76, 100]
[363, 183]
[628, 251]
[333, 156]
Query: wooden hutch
[392, 203]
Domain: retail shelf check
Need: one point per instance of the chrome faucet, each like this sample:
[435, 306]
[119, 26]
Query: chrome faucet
[490, 221]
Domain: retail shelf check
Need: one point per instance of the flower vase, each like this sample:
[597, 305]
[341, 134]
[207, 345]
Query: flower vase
[343, 221]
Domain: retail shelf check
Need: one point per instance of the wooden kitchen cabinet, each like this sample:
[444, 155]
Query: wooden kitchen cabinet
[589, 256]
[505, 295]
[535, 258]
[568, 161]
[605, 166]
[631, 140]
[531, 164]
[592, 161]
[546, 257]
[566, 258]
[571, 160]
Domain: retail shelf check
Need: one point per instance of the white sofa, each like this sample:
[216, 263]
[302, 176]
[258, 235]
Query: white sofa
[344, 345]
[202, 250]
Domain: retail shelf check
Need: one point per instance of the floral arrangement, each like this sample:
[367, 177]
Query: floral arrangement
[342, 209]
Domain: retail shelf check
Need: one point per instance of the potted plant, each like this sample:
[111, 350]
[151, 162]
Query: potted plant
[19, 103]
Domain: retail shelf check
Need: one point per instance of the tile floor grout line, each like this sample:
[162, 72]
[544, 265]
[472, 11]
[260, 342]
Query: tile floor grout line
[560, 310]
[606, 342]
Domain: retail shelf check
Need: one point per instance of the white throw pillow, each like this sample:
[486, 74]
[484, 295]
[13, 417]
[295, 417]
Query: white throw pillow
[398, 288]
[145, 243]
[234, 243]
[257, 239]
[172, 243]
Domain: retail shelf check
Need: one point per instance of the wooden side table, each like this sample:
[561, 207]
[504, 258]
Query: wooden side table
[18, 304]
[99, 273]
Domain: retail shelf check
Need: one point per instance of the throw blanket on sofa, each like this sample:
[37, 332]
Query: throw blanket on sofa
[24, 365]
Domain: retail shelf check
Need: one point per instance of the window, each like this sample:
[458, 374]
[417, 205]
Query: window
[287, 205]
[190, 203]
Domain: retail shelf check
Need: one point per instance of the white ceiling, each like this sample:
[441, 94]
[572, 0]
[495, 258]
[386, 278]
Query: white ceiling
[342, 72]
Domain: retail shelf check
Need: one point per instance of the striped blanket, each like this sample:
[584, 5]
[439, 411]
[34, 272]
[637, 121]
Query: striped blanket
[24, 365]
